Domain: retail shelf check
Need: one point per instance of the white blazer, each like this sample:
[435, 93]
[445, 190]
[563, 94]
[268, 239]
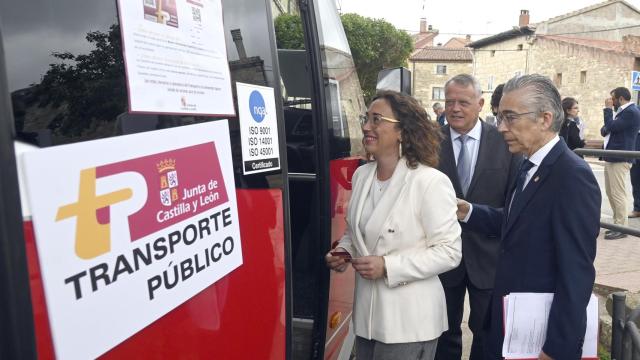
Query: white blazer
[414, 227]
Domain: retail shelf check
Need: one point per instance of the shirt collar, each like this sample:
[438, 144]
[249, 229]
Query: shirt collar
[474, 133]
[539, 155]
[622, 107]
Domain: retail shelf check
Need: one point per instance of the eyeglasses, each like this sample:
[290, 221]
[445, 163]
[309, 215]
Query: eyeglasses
[510, 117]
[376, 119]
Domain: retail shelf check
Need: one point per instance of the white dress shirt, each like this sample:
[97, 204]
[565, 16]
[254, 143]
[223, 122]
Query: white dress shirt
[536, 159]
[471, 145]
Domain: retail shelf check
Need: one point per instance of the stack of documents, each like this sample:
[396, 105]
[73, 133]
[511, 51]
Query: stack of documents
[526, 316]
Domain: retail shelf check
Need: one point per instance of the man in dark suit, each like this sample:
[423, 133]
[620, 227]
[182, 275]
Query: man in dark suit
[439, 111]
[489, 170]
[620, 131]
[549, 224]
[635, 183]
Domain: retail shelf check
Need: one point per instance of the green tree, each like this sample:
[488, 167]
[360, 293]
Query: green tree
[289, 32]
[375, 44]
[86, 88]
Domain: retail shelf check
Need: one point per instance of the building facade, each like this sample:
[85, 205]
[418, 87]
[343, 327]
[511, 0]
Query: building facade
[431, 66]
[584, 61]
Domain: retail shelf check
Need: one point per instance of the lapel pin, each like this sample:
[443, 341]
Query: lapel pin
[536, 179]
[391, 230]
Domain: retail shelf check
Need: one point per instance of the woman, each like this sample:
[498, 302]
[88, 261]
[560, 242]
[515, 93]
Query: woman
[402, 232]
[569, 130]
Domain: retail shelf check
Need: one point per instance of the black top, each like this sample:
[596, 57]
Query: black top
[571, 134]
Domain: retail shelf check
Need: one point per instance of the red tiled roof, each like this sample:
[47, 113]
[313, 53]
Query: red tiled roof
[421, 40]
[457, 43]
[606, 45]
[440, 53]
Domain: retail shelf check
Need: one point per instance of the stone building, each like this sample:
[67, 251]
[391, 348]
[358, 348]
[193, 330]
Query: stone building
[587, 53]
[431, 66]
[284, 7]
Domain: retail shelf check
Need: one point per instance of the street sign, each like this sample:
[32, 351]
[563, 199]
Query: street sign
[635, 80]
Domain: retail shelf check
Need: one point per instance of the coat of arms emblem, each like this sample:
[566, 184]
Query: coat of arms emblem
[168, 181]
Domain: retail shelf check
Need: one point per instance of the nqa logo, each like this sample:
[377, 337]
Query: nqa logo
[257, 107]
[201, 188]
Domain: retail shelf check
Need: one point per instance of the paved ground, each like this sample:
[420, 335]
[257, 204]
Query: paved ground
[617, 261]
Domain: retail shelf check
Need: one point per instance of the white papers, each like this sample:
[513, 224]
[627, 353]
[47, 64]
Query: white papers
[526, 316]
[175, 57]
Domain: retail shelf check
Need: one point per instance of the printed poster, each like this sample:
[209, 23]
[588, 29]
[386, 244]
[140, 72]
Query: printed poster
[129, 228]
[175, 57]
[258, 128]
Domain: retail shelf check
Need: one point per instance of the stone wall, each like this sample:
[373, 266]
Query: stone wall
[500, 62]
[424, 79]
[614, 15]
[588, 74]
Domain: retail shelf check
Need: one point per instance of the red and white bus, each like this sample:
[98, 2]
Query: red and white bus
[66, 90]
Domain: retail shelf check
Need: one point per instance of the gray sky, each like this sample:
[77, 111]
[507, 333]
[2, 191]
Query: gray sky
[458, 17]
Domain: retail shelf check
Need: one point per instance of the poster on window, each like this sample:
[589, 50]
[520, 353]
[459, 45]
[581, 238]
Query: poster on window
[129, 228]
[175, 57]
[258, 128]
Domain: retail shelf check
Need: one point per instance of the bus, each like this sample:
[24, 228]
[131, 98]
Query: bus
[172, 180]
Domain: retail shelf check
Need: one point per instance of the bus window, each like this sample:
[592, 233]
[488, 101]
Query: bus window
[72, 86]
[66, 82]
[323, 147]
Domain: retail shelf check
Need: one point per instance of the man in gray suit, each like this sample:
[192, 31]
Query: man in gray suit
[477, 160]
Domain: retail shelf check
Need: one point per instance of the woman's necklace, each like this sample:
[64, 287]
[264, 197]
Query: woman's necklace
[380, 184]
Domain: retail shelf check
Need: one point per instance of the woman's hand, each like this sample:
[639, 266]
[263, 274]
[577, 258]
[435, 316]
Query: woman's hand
[336, 263]
[369, 267]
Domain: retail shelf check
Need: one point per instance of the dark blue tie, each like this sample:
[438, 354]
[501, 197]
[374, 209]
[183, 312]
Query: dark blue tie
[525, 166]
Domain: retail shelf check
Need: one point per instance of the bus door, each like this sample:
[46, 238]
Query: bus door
[64, 90]
[322, 103]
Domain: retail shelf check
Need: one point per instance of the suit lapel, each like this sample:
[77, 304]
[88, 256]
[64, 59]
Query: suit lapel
[615, 115]
[362, 193]
[383, 209]
[448, 161]
[484, 156]
[538, 178]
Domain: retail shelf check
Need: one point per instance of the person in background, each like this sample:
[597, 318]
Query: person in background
[620, 131]
[635, 183]
[549, 224]
[477, 160]
[495, 99]
[569, 130]
[439, 111]
[402, 233]
[495, 102]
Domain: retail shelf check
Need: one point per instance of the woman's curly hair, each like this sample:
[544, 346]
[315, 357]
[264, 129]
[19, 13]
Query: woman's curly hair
[421, 137]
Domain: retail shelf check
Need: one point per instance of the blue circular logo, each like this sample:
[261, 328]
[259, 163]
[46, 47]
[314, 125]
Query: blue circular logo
[256, 106]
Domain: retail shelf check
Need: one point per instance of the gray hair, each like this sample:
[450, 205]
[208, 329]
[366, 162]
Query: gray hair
[465, 80]
[542, 96]
[437, 106]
